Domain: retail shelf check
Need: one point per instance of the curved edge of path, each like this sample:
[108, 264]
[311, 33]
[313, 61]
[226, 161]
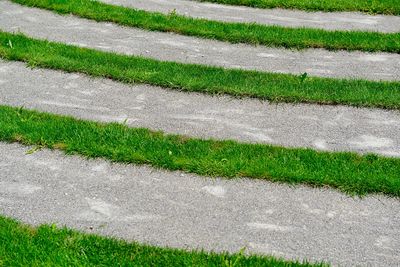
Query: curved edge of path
[186, 211]
[329, 128]
[282, 17]
[44, 24]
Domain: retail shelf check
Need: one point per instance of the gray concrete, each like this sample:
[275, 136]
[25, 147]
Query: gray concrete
[320, 127]
[171, 47]
[181, 210]
[282, 17]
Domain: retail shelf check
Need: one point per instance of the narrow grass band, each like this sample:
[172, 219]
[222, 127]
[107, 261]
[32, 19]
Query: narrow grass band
[348, 172]
[389, 7]
[47, 245]
[188, 77]
[231, 32]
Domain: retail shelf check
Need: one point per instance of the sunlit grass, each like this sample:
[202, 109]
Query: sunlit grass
[389, 7]
[47, 245]
[198, 78]
[231, 32]
[348, 172]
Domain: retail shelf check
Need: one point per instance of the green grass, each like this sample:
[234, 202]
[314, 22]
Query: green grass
[197, 78]
[349, 172]
[47, 245]
[389, 7]
[232, 32]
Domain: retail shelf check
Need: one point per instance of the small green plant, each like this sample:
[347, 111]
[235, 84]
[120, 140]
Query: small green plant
[371, 157]
[235, 262]
[172, 13]
[303, 77]
[10, 44]
[34, 149]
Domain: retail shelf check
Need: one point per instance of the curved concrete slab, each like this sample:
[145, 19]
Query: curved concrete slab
[186, 211]
[172, 47]
[332, 128]
[282, 17]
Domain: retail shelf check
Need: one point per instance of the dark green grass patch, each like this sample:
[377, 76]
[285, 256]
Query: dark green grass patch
[349, 172]
[197, 78]
[231, 32]
[47, 245]
[389, 7]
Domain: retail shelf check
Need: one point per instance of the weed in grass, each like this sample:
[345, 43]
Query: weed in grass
[35, 149]
[10, 44]
[235, 262]
[172, 13]
[303, 77]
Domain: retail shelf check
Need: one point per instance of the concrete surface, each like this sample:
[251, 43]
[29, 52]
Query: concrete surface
[276, 16]
[186, 211]
[172, 47]
[320, 127]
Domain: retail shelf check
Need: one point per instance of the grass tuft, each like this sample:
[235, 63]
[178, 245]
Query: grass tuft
[197, 78]
[348, 172]
[298, 38]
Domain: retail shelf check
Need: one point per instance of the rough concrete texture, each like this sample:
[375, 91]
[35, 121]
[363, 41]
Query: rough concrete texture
[320, 127]
[172, 47]
[186, 211]
[282, 17]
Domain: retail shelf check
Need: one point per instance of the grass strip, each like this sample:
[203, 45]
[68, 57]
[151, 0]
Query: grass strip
[47, 245]
[348, 172]
[388, 7]
[232, 32]
[198, 78]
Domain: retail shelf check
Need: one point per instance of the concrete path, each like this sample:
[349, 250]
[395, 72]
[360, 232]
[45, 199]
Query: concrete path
[172, 47]
[281, 17]
[320, 127]
[186, 211]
